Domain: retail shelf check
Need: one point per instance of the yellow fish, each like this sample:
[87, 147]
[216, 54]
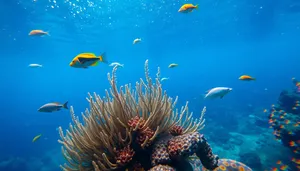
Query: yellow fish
[84, 60]
[173, 65]
[36, 138]
[246, 78]
[187, 8]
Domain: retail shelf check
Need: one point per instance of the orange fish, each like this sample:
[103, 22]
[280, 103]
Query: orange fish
[187, 8]
[281, 126]
[297, 161]
[246, 78]
[292, 143]
[278, 162]
[283, 167]
[274, 169]
[38, 33]
[287, 121]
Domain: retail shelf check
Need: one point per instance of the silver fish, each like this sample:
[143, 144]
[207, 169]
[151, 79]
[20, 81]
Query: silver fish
[165, 78]
[113, 64]
[35, 65]
[218, 92]
[52, 107]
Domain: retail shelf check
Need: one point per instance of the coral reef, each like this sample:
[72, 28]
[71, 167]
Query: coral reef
[135, 129]
[284, 118]
[224, 165]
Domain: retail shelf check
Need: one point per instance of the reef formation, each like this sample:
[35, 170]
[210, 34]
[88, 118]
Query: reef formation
[284, 118]
[135, 129]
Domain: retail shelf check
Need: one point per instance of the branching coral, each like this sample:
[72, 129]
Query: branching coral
[122, 129]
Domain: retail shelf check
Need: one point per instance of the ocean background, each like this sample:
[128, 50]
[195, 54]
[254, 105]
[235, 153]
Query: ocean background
[213, 46]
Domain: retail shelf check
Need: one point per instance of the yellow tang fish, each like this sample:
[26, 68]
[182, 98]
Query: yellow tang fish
[84, 60]
[36, 138]
[187, 8]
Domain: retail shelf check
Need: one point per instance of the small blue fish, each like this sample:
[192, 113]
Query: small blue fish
[52, 107]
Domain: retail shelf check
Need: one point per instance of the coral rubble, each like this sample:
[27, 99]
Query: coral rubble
[135, 129]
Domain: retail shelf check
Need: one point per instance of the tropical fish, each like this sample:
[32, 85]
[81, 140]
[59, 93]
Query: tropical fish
[292, 143]
[246, 78]
[297, 161]
[113, 64]
[187, 8]
[35, 65]
[218, 92]
[52, 107]
[36, 138]
[230, 165]
[173, 65]
[38, 33]
[284, 167]
[137, 40]
[163, 79]
[84, 60]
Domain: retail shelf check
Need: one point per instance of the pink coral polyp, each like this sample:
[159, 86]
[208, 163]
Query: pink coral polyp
[176, 130]
[124, 156]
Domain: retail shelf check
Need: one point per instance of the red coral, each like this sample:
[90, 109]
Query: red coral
[124, 156]
[147, 133]
[176, 130]
[144, 132]
[133, 122]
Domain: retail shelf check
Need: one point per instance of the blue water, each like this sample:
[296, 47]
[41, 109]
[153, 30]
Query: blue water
[213, 47]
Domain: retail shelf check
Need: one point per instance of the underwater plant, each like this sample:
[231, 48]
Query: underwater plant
[135, 129]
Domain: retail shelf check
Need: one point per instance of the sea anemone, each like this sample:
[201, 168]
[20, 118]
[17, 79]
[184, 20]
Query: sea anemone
[134, 129]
